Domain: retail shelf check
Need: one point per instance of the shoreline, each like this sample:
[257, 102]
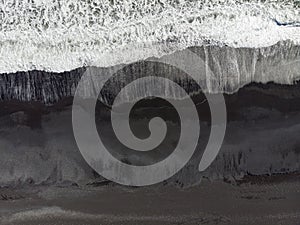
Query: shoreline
[208, 203]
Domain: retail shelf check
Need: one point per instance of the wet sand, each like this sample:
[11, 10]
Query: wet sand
[270, 202]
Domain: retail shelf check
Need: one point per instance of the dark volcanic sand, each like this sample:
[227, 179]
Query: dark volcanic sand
[269, 202]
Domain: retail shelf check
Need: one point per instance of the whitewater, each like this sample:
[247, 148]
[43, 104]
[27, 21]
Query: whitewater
[46, 45]
[61, 35]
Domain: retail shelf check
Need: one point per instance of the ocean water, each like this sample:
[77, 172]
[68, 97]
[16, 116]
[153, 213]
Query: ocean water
[240, 41]
[61, 35]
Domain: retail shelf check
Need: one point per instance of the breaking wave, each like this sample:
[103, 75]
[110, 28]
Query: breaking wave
[61, 35]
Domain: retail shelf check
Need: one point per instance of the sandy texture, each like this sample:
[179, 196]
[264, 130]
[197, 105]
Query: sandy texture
[264, 203]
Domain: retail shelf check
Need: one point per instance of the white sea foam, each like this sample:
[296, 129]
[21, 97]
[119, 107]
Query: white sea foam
[60, 35]
[48, 213]
[56, 215]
